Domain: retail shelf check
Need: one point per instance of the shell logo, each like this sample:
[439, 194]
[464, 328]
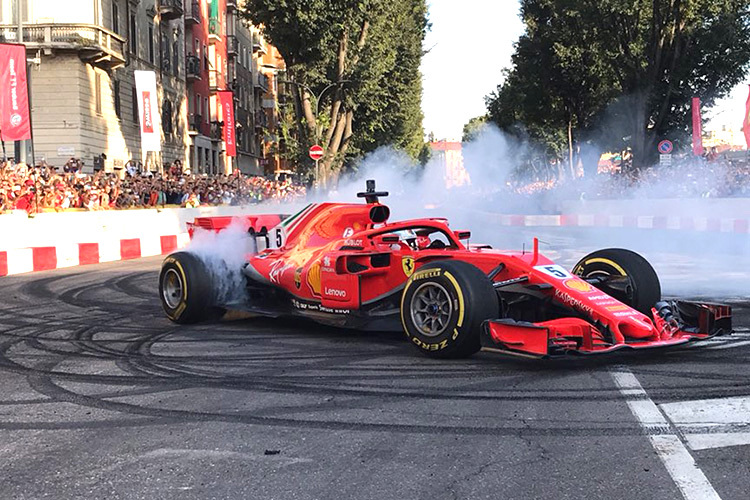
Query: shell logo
[313, 278]
[578, 285]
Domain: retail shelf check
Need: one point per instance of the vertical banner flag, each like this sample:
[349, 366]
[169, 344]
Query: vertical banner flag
[15, 119]
[697, 128]
[148, 110]
[746, 124]
[227, 115]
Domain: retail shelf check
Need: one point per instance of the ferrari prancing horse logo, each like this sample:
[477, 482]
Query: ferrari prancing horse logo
[407, 264]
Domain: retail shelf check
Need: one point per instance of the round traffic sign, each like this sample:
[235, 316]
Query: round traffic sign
[665, 147]
[316, 152]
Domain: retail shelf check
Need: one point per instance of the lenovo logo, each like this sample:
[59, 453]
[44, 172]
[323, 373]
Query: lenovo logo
[332, 292]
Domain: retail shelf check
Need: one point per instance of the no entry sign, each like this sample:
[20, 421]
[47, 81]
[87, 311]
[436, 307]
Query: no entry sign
[316, 152]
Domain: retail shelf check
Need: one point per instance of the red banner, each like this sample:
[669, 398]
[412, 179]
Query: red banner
[697, 128]
[227, 113]
[15, 119]
[746, 124]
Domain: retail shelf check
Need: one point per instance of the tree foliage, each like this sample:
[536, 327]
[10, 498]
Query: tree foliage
[361, 57]
[472, 128]
[620, 73]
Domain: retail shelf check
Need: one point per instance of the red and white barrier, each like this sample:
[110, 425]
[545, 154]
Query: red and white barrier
[719, 225]
[25, 260]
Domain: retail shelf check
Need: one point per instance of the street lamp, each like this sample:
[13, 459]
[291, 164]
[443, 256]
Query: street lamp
[317, 111]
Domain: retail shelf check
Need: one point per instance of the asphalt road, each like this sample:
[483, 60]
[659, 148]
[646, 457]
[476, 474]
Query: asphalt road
[102, 397]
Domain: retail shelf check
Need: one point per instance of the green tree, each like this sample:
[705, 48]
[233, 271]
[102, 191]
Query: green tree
[361, 57]
[472, 127]
[620, 73]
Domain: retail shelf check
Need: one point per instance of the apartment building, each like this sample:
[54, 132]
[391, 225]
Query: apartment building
[82, 81]
[83, 85]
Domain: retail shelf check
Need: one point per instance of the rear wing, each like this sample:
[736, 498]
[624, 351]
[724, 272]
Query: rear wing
[259, 225]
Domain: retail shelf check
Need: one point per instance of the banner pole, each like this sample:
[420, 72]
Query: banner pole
[31, 120]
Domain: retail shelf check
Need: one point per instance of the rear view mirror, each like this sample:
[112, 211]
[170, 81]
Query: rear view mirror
[462, 235]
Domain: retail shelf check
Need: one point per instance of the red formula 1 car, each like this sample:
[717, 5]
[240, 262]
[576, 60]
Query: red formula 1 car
[346, 265]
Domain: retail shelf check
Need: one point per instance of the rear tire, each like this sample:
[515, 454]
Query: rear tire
[443, 307]
[186, 289]
[644, 290]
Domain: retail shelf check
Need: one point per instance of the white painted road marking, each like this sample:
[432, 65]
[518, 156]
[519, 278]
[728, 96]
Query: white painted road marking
[680, 464]
[712, 423]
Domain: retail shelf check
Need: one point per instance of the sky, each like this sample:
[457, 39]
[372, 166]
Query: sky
[470, 43]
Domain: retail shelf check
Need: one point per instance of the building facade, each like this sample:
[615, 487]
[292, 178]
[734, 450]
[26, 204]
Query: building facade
[83, 85]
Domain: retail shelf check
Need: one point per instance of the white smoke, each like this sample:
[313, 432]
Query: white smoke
[224, 254]
[689, 263]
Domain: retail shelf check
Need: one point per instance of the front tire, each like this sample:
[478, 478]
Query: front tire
[643, 289]
[443, 307]
[186, 289]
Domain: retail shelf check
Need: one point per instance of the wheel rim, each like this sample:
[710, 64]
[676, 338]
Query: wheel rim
[431, 309]
[172, 288]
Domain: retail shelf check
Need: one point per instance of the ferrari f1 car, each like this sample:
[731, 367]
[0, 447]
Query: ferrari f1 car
[346, 265]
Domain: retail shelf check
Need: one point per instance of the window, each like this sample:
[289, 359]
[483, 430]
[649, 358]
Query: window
[151, 43]
[136, 117]
[176, 57]
[133, 34]
[98, 92]
[116, 98]
[205, 58]
[205, 106]
[164, 53]
[166, 117]
[115, 18]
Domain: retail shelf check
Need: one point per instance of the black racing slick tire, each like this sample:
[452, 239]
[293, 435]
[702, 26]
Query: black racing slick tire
[443, 306]
[186, 289]
[642, 290]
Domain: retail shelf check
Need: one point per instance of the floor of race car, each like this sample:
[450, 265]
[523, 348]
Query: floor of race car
[102, 397]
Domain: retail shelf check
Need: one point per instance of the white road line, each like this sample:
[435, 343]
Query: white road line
[703, 421]
[678, 461]
[729, 345]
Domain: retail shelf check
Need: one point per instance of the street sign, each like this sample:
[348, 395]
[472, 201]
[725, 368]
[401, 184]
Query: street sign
[316, 152]
[665, 160]
[665, 147]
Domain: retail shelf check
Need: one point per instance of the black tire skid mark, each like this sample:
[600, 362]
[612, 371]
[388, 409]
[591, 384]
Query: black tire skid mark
[139, 348]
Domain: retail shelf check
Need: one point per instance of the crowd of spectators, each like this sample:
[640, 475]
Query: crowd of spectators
[47, 188]
[687, 177]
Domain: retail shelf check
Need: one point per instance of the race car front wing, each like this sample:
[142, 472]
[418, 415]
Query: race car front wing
[676, 322]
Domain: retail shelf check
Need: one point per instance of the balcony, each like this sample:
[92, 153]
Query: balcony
[214, 30]
[233, 46]
[170, 9]
[262, 82]
[95, 45]
[193, 14]
[261, 119]
[194, 123]
[215, 80]
[259, 45]
[192, 68]
[217, 131]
